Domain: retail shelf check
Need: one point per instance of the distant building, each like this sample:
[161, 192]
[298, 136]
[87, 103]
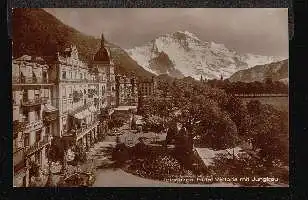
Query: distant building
[34, 118]
[147, 87]
[127, 91]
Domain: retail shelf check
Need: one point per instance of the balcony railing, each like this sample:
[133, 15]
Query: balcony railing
[31, 80]
[37, 146]
[34, 102]
[84, 129]
[50, 116]
[33, 125]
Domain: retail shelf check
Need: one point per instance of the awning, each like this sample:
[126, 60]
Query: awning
[125, 108]
[15, 70]
[83, 114]
[92, 109]
[25, 57]
[26, 71]
[110, 111]
[49, 108]
[37, 71]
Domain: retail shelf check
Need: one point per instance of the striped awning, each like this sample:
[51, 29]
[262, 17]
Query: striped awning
[26, 71]
[83, 114]
[37, 72]
[92, 109]
[49, 108]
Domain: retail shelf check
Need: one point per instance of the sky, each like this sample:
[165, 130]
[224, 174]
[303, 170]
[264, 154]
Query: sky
[262, 31]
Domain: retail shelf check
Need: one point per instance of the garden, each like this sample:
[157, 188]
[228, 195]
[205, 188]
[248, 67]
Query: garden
[219, 121]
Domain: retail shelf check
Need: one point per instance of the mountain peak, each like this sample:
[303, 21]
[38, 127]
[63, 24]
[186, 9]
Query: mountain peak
[188, 34]
[192, 57]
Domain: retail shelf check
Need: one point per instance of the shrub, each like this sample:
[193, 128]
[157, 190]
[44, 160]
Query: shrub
[154, 123]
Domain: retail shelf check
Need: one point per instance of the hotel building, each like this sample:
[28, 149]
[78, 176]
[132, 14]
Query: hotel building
[33, 115]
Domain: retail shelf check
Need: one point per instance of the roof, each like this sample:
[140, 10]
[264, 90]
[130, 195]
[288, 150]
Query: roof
[125, 108]
[49, 108]
[102, 55]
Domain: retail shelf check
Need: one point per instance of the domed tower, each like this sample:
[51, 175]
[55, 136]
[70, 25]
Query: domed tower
[103, 54]
[102, 61]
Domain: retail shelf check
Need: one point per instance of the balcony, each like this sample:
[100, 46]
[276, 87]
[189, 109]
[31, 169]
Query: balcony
[18, 159]
[83, 130]
[50, 116]
[37, 146]
[33, 126]
[34, 102]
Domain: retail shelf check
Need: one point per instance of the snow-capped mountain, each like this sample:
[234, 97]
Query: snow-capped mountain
[183, 54]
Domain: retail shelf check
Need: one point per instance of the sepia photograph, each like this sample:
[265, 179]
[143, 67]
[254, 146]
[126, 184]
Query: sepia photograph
[150, 97]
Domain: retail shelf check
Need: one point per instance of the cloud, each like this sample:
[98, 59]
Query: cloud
[263, 31]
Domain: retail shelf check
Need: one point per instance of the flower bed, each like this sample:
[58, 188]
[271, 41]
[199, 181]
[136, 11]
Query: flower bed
[164, 168]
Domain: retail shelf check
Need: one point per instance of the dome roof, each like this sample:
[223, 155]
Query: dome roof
[102, 54]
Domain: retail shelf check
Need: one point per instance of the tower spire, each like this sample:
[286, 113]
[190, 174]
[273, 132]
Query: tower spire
[102, 40]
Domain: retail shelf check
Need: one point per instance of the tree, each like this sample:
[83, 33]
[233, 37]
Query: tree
[254, 107]
[56, 152]
[269, 130]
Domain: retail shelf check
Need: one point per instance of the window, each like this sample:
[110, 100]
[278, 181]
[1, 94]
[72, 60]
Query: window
[36, 94]
[37, 115]
[63, 92]
[69, 92]
[44, 77]
[47, 130]
[63, 74]
[64, 106]
[38, 157]
[26, 140]
[25, 95]
[38, 136]
[26, 115]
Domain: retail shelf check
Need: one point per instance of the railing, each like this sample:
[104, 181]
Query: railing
[50, 116]
[37, 146]
[34, 125]
[31, 80]
[84, 129]
[261, 95]
[82, 80]
[86, 106]
[34, 102]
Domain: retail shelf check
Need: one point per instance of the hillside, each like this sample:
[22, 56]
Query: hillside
[35, 32]
[277, 71]
[184, 54]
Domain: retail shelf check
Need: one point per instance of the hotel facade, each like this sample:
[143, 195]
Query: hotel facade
[67, 98]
